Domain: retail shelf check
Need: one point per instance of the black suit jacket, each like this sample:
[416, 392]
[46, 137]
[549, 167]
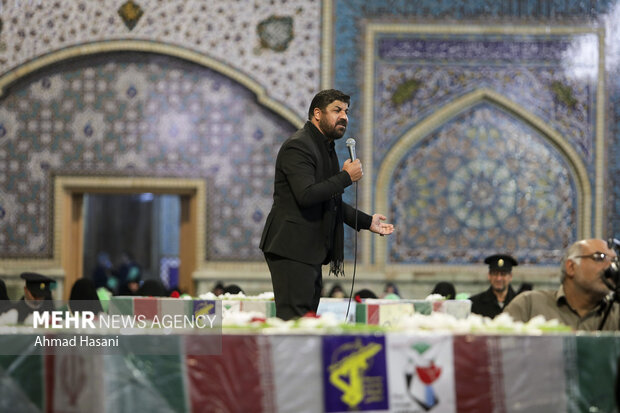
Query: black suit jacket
[297, 226]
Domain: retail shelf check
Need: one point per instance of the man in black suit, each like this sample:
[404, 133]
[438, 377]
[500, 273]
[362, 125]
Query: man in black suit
[491, 302]
[304, 229]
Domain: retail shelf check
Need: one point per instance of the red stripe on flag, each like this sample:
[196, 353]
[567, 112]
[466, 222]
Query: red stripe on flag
[472, 377]
[146, 306]
[230, 382]
[372, 311]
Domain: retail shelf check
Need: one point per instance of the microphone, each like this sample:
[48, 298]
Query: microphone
[351, 145]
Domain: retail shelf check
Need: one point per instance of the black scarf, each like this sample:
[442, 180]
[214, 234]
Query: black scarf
[335, 241]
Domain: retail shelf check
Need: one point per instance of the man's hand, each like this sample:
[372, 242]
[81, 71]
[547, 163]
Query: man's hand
[354, 169]
[379, 227]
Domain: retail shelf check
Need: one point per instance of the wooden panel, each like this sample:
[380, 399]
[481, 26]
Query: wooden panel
[187, 243]
[191, 242]
[72, 244]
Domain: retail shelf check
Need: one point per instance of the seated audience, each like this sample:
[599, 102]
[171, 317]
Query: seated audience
[580, 301]
[490, 303]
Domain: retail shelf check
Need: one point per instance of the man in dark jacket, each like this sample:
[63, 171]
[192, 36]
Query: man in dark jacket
[304, 229]
[37, 295]
[492, 301]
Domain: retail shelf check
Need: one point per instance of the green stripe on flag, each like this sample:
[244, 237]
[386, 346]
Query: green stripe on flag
[21, 376]
[271, 309]
[591, 370]
[360, 313]
[121, 305]
[137, 381]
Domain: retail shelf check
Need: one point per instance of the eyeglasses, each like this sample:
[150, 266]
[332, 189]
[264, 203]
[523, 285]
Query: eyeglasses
[599, 257]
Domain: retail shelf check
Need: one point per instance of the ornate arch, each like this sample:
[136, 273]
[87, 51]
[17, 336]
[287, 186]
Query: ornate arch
[152, 47]
[55, 266]
[451, 110]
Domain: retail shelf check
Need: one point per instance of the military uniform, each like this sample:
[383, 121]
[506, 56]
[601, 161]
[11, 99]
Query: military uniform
[486, 303]
[39, 287]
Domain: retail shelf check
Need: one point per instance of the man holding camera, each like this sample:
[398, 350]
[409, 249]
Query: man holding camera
[589, 269]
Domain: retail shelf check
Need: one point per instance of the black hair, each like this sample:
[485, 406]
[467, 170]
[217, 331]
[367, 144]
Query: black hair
[445, 289]
[152, 288]
[232, 289]
[5, 303]
[365, 293]
[322, 99]
[84, 296]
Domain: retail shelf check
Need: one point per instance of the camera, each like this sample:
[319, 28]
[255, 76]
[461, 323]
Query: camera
[613, 271]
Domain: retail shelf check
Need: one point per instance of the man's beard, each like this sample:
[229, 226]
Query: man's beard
[34, 304]
[330, 131]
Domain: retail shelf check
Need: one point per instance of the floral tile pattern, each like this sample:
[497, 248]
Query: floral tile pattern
[481, 197]
[448, 68]
[140, 116]
[416, 73]
[226, 30]
[483, 182]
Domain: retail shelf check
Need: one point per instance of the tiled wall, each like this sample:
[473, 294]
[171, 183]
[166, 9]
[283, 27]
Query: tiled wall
[483, 125]
[139, 115]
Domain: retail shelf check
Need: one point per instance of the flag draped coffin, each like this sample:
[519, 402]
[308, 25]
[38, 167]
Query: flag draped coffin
[383, 372]
[151, 307]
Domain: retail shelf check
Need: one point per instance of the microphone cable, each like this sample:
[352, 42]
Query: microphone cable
[346, 317]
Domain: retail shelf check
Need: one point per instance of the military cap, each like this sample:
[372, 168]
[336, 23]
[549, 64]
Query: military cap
[37, 284]
[500, 263]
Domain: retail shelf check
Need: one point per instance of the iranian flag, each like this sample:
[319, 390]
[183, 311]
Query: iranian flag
[535, 373]
[257, 373]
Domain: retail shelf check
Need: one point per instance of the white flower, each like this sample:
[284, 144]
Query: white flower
[207, 296]
[435, 297]
[29, 320]
[268, 296]
[502, 324]
[8, 318]
[229, 296]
